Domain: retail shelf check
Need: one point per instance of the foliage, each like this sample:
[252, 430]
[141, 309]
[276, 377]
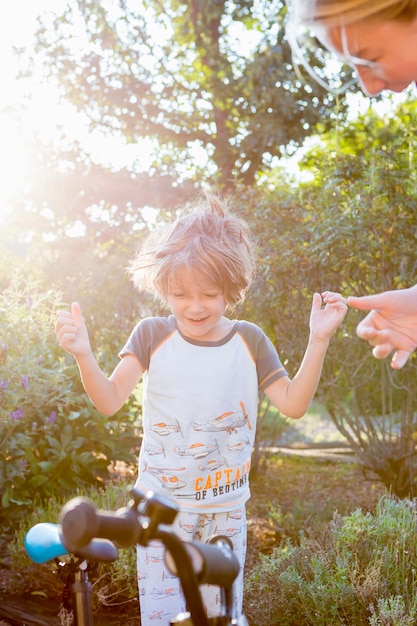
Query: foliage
[355, 572]
[368, 228]
[51, 439]
[350, 229]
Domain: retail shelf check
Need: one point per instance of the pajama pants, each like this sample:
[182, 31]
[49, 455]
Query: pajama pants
[160, 594]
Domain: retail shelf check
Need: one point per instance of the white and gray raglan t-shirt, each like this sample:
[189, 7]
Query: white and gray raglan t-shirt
[199, 410]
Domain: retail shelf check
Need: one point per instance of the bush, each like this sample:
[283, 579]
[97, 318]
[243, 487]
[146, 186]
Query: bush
[357, 571]
[51, 438]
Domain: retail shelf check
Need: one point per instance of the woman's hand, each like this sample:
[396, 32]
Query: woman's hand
[391, 325]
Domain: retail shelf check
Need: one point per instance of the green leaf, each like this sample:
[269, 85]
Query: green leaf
[37, 481]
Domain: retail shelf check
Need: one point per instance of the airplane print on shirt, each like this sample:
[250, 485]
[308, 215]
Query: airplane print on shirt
[215, 474]
[229, 421]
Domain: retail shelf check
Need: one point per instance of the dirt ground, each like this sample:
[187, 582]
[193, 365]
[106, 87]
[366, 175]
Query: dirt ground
[300, 489]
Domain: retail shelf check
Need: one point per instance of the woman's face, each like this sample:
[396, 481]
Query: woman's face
[389, 47]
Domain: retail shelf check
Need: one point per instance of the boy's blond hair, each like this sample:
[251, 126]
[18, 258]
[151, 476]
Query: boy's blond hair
[209, 241]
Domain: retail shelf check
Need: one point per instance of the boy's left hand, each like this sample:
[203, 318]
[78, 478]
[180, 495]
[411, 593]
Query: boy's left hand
[324, 321]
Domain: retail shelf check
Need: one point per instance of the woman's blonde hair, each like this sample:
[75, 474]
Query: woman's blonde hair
[209, 241]
[337, 12]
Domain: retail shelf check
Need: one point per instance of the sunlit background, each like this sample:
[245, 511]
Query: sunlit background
[51, 118]
[43, 111]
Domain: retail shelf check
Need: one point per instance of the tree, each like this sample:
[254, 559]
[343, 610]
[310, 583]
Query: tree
[210, 79]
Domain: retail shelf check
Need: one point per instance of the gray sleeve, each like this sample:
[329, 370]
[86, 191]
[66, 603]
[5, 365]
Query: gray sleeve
[268, 363]
[146, 337]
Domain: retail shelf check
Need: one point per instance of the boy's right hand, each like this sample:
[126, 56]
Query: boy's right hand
[71, 331]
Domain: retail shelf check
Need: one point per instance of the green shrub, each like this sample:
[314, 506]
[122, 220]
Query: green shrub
[392, 612]
[359, 570]
[51, 438]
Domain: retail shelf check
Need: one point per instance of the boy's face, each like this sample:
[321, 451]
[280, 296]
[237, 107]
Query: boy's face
[198, 307]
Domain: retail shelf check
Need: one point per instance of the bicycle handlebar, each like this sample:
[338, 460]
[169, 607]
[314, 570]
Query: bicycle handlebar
[44, 542]
[85, 530]
[81, 523]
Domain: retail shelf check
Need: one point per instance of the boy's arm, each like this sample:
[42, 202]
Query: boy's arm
[108, 394]
[293, 397]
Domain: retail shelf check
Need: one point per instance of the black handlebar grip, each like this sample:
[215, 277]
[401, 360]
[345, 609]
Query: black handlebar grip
[221, 563]
[81, 522]
[122, 527]
[213, 563]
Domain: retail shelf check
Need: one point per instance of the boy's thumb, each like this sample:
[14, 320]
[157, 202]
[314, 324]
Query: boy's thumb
[76, 313]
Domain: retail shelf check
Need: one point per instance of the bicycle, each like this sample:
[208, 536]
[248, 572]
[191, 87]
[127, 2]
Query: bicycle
[87, 534]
